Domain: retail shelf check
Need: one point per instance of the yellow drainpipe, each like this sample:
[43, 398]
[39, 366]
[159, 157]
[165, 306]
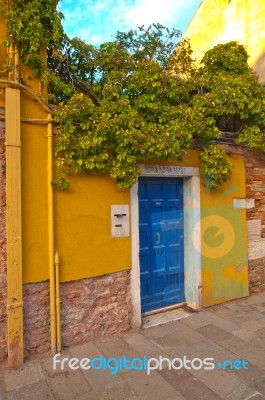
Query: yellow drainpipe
[14, 223]
[14, 278]
[10, 61]
[58, 301]
[51, 238]
[16, 66]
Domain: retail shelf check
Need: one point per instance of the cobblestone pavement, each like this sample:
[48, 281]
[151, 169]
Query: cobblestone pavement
[231, 331]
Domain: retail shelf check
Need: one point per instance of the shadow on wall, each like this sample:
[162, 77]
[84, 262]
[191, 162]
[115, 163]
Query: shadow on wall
[259, 67]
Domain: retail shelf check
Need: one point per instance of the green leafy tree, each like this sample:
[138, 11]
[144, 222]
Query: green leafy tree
[140, 97]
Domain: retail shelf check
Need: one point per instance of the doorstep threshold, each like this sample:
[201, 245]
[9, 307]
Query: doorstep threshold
[165, 315]
[163, 309]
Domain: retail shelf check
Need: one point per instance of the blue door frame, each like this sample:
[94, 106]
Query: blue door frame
[161, 242]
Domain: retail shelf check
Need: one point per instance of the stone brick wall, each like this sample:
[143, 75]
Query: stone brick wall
[90, 308]
[255, 185]
[256, 275]
[255, 188]
[36, 314]
[95, 307]
[3, 254]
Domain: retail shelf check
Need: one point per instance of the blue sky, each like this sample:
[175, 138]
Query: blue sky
[97, 21]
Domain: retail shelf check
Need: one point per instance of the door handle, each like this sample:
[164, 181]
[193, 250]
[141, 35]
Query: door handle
[158, 237]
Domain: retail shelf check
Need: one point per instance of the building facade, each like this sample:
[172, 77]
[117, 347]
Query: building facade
[221, 21]
[166, 241]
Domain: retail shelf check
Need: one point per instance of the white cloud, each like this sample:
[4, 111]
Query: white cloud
[99, 20]
[167, 12]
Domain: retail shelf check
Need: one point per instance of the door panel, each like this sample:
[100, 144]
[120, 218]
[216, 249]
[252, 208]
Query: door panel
[161, 242]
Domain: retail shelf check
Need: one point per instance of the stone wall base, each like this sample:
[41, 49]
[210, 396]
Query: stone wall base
[256, 273]
[3, 324]
[255, 187]
[90, 308]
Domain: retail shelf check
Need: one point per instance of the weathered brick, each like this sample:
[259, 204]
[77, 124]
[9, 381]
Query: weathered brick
[256, 270]
[255, 188]
[90, 308]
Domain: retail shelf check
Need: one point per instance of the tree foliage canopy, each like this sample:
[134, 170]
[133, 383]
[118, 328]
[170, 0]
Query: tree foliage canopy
[139, 97]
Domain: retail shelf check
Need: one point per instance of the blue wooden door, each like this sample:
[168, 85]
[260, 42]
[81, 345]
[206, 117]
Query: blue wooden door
[161, 242]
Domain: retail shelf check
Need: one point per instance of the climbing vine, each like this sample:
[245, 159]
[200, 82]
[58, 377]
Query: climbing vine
[33, 24]
[139, 97]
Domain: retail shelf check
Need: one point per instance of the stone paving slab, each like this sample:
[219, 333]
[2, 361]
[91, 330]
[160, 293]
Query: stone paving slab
[216, 351]
[51, 369]
[2, 388]
[248, 312]
[236, 345]
[260, 332]
[152, 386]
[256, 397]
[207, 317]
[230, 331]
[158, 331]
[101, 380]
[38, 390]
[142, 346]
[246, 350]
[181, 334]
[121, 391]
[182, 350]
[188, 385]
[250, 337]
[224, 384]
[254, 377]
[253, 326]
[28, 374]
[116, 346]
[215, 333]
[71, 385]
[235, 316]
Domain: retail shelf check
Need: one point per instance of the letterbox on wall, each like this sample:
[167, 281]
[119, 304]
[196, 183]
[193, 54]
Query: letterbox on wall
[120, 220]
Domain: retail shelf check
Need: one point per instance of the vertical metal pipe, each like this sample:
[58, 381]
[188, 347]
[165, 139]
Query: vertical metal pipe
[14, 219]
[10, 62]
[51, 236]
[10, 51]
[14, 229]
[16, 64]
[58, 301]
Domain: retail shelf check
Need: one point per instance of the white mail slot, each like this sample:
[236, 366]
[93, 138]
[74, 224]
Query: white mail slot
[120, 220]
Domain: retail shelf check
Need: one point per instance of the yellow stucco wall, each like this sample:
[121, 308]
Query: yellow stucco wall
[34, 199]
[221, 21]
[224, 240]
[83, 227]
[83, 222]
